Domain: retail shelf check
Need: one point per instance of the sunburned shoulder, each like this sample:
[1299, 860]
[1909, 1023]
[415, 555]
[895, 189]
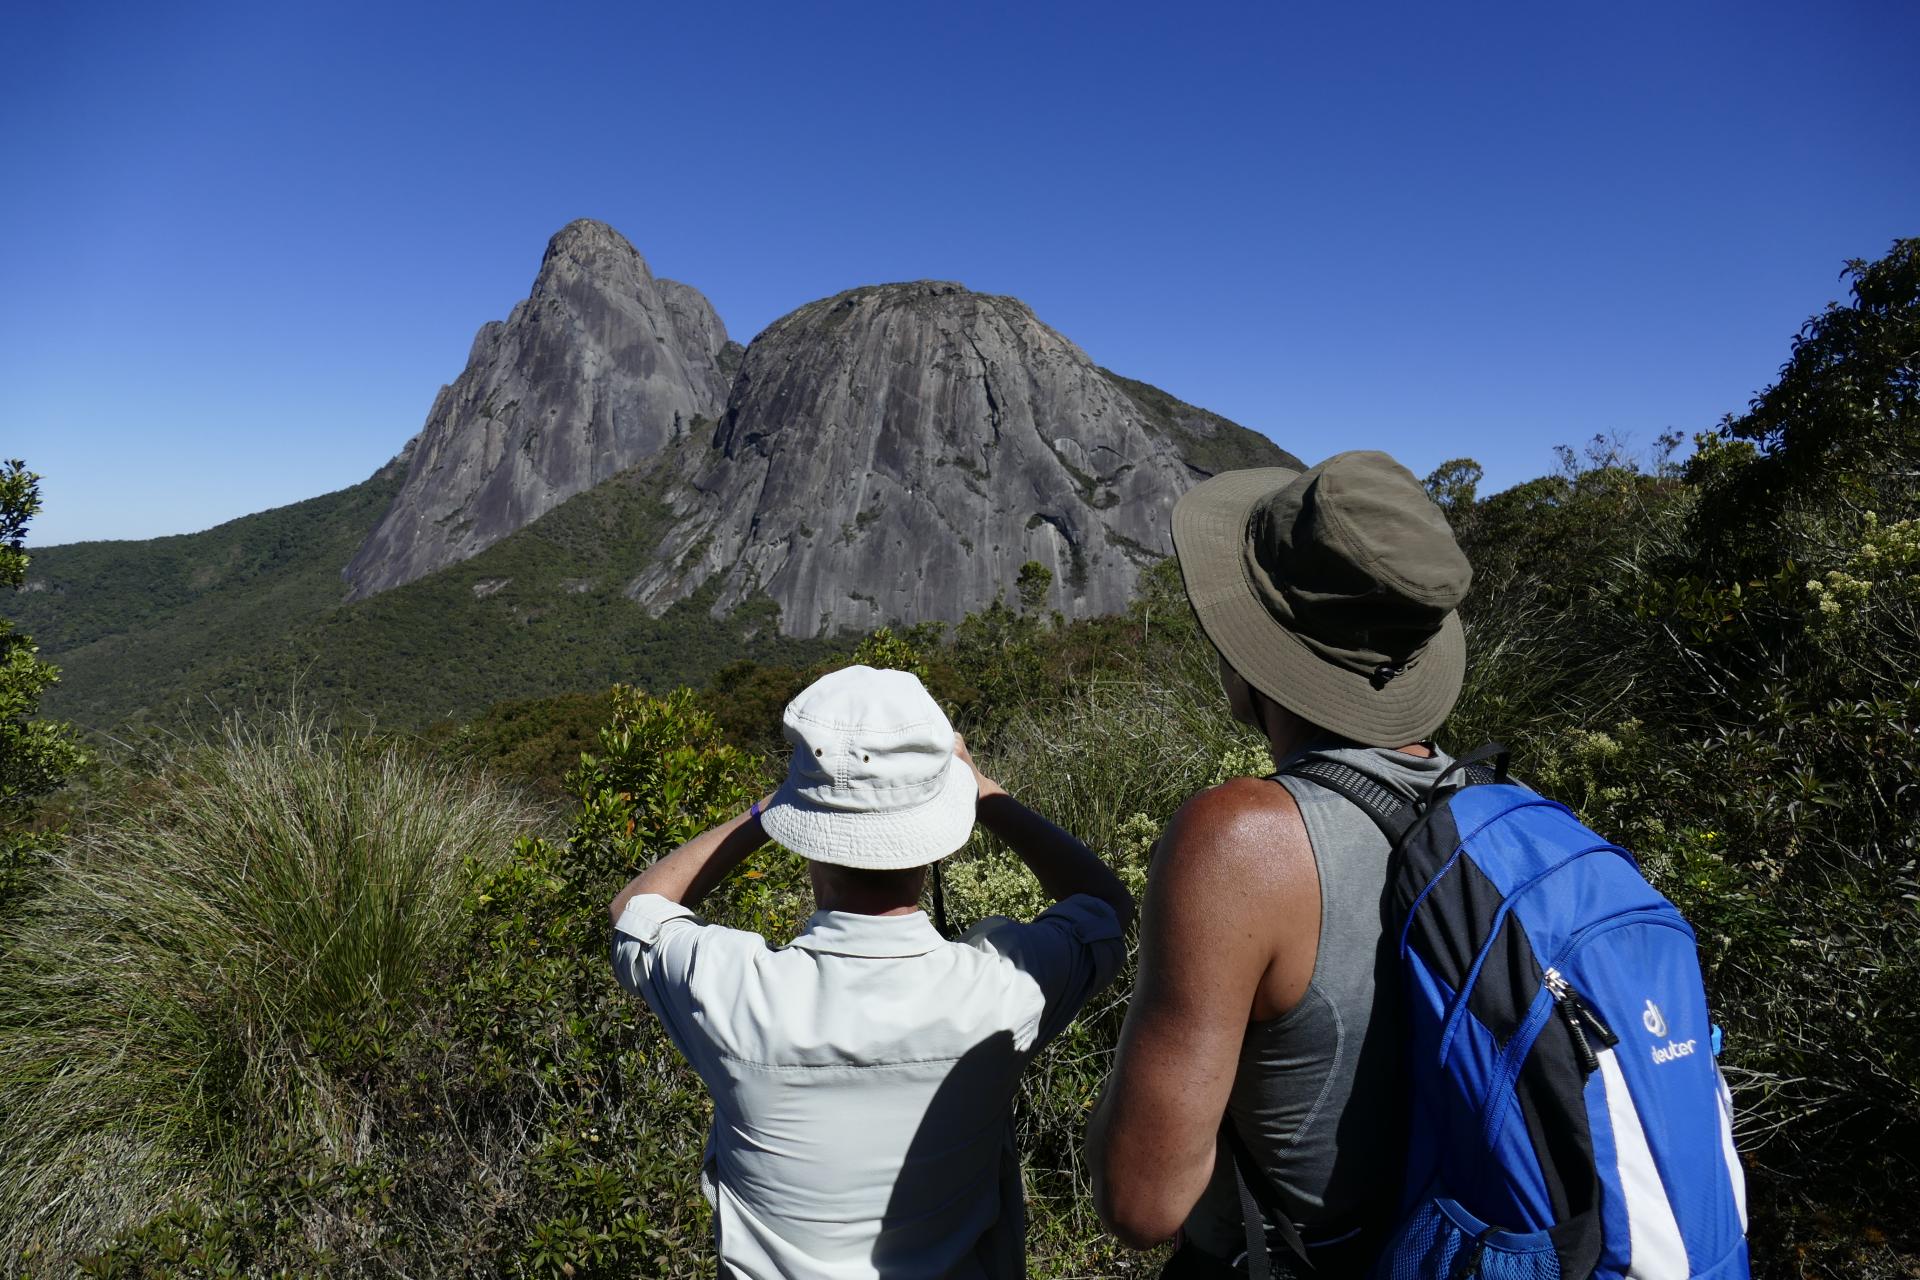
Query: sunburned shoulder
[1243, 822]
[1238, 803]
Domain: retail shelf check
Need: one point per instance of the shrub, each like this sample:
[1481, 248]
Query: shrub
[36, 755]
[202, 968]
[1750, 738]
[560, 1064]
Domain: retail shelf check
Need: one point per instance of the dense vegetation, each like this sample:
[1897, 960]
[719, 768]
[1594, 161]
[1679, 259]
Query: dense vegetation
[247, 915]
[1718, 663]
[541, 612]
[136, 624]
[36, 755]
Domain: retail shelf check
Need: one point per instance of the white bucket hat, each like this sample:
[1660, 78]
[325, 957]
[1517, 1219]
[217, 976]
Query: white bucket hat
[874, 782]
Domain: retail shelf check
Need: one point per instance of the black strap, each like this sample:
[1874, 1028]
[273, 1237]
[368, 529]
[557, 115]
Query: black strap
[1259, 1265]
[1474, 765]
[940, 904]
[1396, 817]
[1247, 1175]
[1466, 1263]
[1393, 815]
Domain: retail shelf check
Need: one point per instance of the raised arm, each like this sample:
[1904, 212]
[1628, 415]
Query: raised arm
[690, 872]
[1058, 859]
[1229, 935]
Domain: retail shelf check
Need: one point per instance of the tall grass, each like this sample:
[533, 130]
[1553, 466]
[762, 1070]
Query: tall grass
[201, 964]
[1110, 764]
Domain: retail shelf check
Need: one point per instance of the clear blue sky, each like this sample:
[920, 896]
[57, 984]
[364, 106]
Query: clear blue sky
[242, 245]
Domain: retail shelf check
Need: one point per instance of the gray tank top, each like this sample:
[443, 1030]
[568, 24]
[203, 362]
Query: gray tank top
[1317, 1094]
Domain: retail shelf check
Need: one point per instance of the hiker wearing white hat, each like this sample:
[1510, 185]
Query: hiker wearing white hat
[863, 1075]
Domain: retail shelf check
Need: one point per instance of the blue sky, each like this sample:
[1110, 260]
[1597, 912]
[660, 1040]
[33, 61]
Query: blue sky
[242, 245]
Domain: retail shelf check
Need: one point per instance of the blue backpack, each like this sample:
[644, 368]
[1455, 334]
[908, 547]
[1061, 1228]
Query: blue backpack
[1566, 1117]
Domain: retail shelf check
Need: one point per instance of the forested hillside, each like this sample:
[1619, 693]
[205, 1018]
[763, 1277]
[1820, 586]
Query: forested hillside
[137, 624]
[292, 1065]
[250, 615]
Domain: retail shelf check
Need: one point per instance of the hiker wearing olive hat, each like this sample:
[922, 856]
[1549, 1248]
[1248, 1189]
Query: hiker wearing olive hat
[1265, 997]
[863, 1076]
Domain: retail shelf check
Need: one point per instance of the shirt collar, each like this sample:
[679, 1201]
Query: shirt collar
[848, 933]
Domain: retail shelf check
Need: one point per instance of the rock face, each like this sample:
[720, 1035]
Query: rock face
[899, 452]
[599, 369]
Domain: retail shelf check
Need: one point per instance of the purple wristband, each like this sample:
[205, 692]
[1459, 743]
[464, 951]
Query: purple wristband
[753, 811]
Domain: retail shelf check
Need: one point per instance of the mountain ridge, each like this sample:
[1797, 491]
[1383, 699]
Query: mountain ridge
[901, 450]
[893, 453]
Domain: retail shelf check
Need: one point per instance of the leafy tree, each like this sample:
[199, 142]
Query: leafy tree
[1837, 435]
[35, 755]
[1453, 486]
[1000, 654]
[890, 650]
[1034, 582]
[1454, 483]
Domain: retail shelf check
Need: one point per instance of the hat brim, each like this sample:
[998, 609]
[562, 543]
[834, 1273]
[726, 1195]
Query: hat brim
[876, 839]
[1209, 539]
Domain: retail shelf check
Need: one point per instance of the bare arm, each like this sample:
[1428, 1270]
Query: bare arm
[1059, 860]
[1229, 935]
[690, 872]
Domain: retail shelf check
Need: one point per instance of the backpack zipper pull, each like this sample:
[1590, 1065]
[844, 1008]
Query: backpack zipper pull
[1571, 1007]
[1592, 1019]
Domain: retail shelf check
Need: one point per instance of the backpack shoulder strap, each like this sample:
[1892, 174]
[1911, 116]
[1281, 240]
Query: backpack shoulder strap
[1257, 1192]
[1395, 816]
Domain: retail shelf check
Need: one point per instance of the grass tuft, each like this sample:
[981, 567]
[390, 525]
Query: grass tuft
[199, 970]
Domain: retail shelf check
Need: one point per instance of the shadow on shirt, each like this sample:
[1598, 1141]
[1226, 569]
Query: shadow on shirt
[943, 1219]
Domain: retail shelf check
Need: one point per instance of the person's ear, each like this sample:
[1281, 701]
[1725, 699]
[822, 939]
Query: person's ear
[1240, 696]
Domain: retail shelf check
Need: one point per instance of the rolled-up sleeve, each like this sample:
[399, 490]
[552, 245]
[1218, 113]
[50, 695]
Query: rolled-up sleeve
[1072, 950]
[653, 950]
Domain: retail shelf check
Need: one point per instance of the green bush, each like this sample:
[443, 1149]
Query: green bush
[580, 1075]
[1750, 737]
[36, 756]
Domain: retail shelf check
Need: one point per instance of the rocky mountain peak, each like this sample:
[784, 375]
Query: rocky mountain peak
[899, 451]
[587, 240]
[601, 366]
[592, 255]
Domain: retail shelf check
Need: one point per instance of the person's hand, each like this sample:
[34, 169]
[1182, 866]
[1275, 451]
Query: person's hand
[987, 786]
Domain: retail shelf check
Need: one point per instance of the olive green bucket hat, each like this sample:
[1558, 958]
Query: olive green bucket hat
[1332, 590]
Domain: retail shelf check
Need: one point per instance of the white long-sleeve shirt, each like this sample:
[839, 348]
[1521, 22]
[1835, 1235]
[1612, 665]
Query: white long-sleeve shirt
[863, 1078]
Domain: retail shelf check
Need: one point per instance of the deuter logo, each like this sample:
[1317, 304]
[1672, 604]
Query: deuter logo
[1672, 1050]
[1655, 1022]
[1652, 1021]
